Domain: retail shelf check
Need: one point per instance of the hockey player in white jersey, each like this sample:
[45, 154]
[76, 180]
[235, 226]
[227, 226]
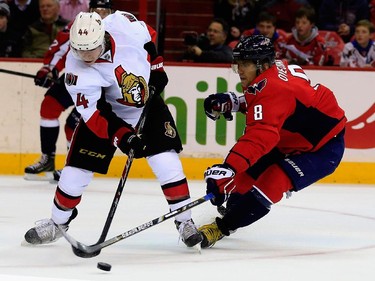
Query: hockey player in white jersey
[108, 76]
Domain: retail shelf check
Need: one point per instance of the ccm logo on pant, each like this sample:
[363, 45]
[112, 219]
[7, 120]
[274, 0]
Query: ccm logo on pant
[92, 153]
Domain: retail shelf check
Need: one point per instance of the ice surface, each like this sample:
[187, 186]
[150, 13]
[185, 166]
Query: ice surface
[326, 232]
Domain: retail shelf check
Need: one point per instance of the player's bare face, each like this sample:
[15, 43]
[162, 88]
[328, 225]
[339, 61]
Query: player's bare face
[246, 70]
[90, 56]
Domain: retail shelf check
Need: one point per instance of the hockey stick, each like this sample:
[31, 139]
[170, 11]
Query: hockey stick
[17, 73]
[86, 251]
[125, 172]
[151, 49]
[24, 74]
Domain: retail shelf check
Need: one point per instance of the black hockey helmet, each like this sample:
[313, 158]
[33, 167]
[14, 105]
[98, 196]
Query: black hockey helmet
[256, 48]
[104, 4]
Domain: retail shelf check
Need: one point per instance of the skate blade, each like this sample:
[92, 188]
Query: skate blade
[44, 176]
[198, 248]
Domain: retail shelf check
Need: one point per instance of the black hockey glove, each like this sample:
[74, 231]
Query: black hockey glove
[220, 103]
[45, 77]
[220, 182]
[132, 141]
[122, 134]
[158, 77]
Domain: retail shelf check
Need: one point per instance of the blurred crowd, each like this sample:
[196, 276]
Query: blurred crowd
[28, 27]
[321, 32]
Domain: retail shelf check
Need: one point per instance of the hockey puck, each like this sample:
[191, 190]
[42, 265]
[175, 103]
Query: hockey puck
[104, 266]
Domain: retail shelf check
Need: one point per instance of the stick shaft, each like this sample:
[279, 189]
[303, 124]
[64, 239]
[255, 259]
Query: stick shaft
[92, 250]
[26, 75]
[125, 172]
[17, 73]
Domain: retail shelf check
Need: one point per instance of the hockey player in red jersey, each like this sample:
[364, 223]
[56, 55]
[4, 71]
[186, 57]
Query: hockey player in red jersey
[108, 75]
[57, 100]
[294, 136]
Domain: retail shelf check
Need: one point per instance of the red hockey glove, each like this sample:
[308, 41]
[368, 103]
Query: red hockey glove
[45, 77]
[158, 77]
[220, 182]
[221, 103]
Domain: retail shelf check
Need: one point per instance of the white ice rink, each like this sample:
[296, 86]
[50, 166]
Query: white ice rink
[326, 232]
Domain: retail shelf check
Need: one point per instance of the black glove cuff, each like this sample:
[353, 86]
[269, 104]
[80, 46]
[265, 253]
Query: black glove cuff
[159, 80]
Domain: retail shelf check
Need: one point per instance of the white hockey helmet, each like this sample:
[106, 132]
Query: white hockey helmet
[87, 32]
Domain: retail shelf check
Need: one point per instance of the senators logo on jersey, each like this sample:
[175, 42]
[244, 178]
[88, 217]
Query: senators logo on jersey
[133, 88]
[71, 79]
[256, 88]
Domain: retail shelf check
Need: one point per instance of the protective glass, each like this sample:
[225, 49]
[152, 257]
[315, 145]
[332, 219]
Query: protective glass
[88, 56]
[242, 64]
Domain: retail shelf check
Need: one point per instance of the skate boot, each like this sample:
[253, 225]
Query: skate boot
[41, 170]
[211, 234]
[56, 176]
[188, 232]
[46, 231]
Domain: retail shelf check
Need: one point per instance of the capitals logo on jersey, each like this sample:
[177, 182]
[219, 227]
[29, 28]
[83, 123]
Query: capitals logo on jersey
[134, 88]
[257, 87]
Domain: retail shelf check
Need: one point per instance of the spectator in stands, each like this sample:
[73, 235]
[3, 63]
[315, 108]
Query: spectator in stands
[342, 15]
[42, 32]
[266, 25]
[239, 14]
[360, 52]
[305, 46]
[284, 11]
[70, 8]
[24, 13]
[10, 40]
[211, 47]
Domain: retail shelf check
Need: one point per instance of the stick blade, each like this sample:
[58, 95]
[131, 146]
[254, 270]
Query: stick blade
[79, 249]
[80, 252]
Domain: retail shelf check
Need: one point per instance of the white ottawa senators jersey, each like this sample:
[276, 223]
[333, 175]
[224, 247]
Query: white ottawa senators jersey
[122, 71]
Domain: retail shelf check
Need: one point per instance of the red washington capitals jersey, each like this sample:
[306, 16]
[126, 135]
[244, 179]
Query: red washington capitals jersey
[285, 111]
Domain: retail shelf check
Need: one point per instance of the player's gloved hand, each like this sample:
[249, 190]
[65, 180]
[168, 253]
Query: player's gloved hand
[221, 103]
[158, 77]
[132, 141]
[220, 182]
[45, 77]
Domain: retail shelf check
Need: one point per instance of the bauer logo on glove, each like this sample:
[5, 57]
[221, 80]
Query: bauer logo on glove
[220, 182]
[217, 172]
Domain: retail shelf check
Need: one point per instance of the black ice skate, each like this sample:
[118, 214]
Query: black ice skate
[41, 170]
[56, 176]
[189, 233]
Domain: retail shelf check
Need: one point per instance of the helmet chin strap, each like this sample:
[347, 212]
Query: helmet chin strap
[259, 68]
[103, 49]
[104, 45]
